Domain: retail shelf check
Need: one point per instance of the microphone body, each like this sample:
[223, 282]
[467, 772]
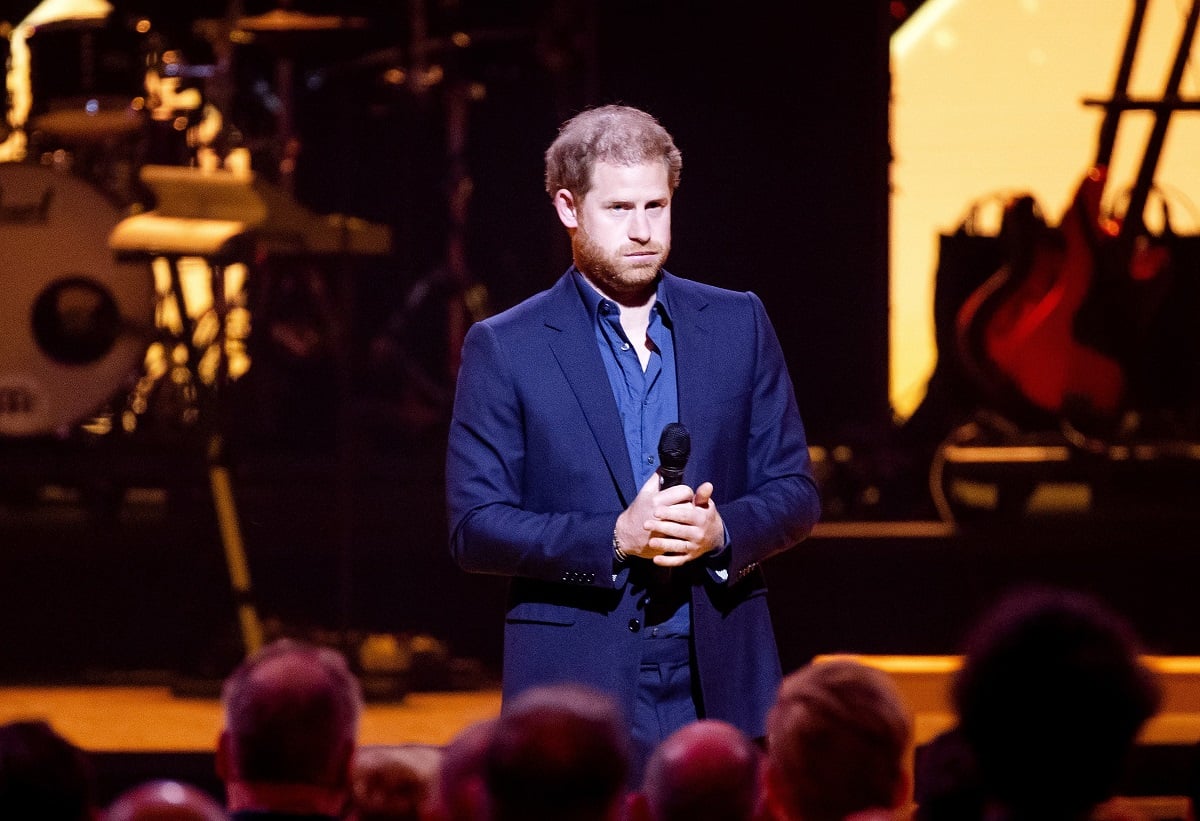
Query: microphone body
[674, 448]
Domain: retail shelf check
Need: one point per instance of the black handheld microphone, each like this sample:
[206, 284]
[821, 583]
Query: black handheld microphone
[674, 447]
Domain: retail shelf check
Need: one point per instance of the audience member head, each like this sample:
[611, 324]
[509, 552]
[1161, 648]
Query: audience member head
[165, 801]
[291, 720]
[42, 775]
[459, 792]
[392, 783]
[705, 770]
[947, 779]
[558, 752]
[1050, 699]
[839, 742]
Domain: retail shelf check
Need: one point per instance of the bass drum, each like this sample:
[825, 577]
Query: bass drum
[75, 324]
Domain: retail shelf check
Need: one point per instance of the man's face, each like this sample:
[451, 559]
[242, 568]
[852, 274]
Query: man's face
[622, 227]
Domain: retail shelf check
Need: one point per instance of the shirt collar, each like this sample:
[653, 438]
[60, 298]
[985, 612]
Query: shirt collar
[592, 298]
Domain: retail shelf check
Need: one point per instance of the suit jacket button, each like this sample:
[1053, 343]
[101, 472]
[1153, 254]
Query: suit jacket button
[634, 625]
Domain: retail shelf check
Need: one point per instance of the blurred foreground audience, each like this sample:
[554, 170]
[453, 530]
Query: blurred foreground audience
[392, 783]
[291, 724]
[1050, 700]
[44, 776]
[558, 752]
[165, 800]
[704, 771]
[839, 745]
[459, 792]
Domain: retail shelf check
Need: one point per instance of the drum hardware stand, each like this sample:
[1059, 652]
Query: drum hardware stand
[217, 230]
[224, 216]
[468, 299]
[286, 34]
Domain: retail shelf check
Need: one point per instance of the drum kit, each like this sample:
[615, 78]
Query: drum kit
[93, 103]
[132, 229]
[128, 219]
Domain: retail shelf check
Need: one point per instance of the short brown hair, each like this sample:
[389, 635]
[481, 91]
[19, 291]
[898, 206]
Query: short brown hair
[838, 737]
[616, 134]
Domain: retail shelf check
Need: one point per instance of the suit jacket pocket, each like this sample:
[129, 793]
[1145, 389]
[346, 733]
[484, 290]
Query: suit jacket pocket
[538, 612]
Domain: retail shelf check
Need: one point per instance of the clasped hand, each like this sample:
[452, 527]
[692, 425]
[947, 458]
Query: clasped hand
[670, 527]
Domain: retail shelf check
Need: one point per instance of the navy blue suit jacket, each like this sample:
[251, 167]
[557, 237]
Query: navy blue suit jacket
[538, 471]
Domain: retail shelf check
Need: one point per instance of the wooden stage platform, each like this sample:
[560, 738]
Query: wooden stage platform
[155, 719]
[136, 733]
[140, 733]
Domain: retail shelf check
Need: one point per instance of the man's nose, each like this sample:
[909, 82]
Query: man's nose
[639, 226]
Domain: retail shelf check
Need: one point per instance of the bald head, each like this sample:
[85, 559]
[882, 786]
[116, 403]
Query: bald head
[705, 770]
[291, 715]
[165, 801]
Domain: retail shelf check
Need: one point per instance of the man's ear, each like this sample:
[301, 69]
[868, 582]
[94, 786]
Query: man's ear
[565, 205]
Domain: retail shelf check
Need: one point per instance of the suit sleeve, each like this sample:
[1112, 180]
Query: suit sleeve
[492, 526]
[782, 503]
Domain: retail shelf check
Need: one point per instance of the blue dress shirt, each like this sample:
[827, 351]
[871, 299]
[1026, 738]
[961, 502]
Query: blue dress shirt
[648, 400]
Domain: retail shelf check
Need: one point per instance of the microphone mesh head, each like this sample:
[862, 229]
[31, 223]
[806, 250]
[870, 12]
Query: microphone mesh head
[674, 446]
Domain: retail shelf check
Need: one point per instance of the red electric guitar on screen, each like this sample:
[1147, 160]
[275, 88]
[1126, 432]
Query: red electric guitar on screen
[1049, 332]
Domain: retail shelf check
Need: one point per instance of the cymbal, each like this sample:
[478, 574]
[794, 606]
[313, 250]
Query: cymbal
[81, 126]
[285, 20]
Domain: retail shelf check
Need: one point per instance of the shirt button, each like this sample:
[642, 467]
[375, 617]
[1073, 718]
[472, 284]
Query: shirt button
[634, 625]
[625, 347]
[649, 460]
[654, 631]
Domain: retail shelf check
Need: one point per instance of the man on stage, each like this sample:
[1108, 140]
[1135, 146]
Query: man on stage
[646, 589]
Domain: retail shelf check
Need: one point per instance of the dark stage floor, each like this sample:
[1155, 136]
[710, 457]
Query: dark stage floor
[92, 583]
[140, 583]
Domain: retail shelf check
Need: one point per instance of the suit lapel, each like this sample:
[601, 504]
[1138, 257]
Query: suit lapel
[573, 342]
[695, 358]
